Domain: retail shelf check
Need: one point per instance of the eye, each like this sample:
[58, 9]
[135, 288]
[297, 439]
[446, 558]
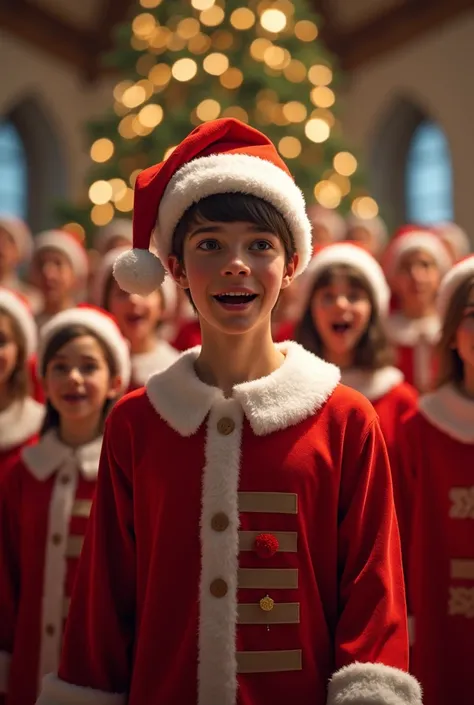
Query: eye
[261, 245]
[209, 245]
[90, 367]
[59, 367]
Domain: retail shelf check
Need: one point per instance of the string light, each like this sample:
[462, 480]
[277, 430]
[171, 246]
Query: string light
[242, 18]
[102, 150]
[175, 43]
[134, 96]
[100, 192]
[119, 188]
[75, 229]
[295, 71]
[317, 130]
[159, 39]
[345, 163]
[208, 109]
[342, 182]
[143, 25]
[212, 17]
[151, 115]
[235, 111]
[202, 4]
[232, 79]
[184, 69]
[276, 57]
[216, 64]
[169, 152]
[323, 97]
[325, 115]
[145, 64]
[149, 4]
[306, 31]
[199, 44]
[365, 207]
[133, 177]
[222, 40]
[295, 111]
[320, 75]
[160, 74]
[120, 89]
[125, 128]
[125, 203]
[289, 147]
[188, 28]
[101, 215]
[273, 20]
[259, 47]
[327, 193]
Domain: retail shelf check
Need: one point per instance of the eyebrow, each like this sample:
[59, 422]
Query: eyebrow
[251, 227]
[60, 356]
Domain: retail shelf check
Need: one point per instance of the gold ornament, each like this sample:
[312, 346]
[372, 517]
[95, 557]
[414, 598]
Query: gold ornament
[267, 604]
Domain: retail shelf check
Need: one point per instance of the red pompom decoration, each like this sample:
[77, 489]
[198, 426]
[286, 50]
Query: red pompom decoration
[266, 545]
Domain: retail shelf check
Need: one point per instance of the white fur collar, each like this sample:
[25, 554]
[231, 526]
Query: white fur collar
[46, 456]
[372, 385]
[402, 330]
[157, 360]
[289, 395]
[19, 422]
[449, 411]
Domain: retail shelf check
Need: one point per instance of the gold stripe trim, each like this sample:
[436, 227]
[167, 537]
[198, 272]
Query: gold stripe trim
[268, 502]
[282, 613]
[268, 578]
[287, 540]
[82, 508]
[462, 569]
[66, 606]
[74, 546]
[268, 661]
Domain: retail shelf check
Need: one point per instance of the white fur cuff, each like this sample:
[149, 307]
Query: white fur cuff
[5, 660]
[54, 691]
[373, 684]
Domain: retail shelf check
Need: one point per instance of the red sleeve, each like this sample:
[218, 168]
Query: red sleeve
[98, 641]
[372, 625]
[10, 511]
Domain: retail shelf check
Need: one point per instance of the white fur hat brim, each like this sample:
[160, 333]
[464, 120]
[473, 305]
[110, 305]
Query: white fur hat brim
[234, 173]
[375, 225]
[64, 243]
[345, 253]
[417, 240]
[451, 283]
[14, 307]
[455, 236]
[101, 326]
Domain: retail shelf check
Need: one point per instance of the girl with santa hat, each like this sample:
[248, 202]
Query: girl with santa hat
[347, 300]
[45, 498]
[414, 263]
[139, 319]
[20, 415]
[243, 546]
[437, 460]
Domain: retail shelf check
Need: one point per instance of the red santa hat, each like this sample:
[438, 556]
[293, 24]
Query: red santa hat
[19, 233]
[451, 282]
[119, 227]
[68, 245]
[454, 236]
[410, 238]
[17, 307]
[352, 255]
[220, 156]
[328, 218]
[374, 225]
[101, 324]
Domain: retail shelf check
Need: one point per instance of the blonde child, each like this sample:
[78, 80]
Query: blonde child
[46, 498]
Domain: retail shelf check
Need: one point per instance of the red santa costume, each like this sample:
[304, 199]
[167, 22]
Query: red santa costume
[21, 421]
[437, 456]
[415, 339]
[44, 508]
[254, 607]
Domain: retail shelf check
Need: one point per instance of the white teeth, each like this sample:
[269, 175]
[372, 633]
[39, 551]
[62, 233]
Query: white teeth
[235, 293]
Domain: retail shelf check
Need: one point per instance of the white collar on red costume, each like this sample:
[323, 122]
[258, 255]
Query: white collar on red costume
[284, 398]
[451, 412]
[156, 360]
[19, 422]
[402, 330]
[47, 456]
[372, 384]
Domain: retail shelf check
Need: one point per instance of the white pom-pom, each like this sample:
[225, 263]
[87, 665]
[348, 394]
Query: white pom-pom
[138, 272]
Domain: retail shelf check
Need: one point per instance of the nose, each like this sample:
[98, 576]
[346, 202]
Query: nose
[341, 301]
[75, 375]
[135, 299]
[236, 265]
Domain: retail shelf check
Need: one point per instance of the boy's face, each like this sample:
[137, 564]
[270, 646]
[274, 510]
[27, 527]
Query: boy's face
[234, 272]
[137, 316]
[417, 278]
[9, 255]
[53, 274]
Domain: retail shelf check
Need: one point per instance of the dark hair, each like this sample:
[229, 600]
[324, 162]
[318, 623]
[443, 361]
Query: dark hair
[451, 366]
[61, 338]
[373, 351]
[19, 381]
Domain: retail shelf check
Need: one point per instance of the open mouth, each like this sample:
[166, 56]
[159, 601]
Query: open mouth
[134, 318]
[235, 298]
[74, 398]
[341, 328]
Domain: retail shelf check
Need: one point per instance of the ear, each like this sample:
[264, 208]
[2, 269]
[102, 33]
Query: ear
[289, 273]
[176, 268]
[115, 386]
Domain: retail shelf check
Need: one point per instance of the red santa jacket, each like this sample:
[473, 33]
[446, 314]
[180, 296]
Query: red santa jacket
[241, 550]
[415, 344]
[437, 452]
[45, 501]
[146, 364]
[20, 424]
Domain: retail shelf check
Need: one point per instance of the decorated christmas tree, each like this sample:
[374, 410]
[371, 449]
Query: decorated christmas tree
[184, 62]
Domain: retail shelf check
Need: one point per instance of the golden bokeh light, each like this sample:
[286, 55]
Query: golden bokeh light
[273, 20]
[317, 130]
[208, 109]
[134, 96]
[222, 40]
[328, 194]
[306, 31]
[212, 17]
[138, 44]
[102, 215]
[295, 111]
[242, 18]
[277, 57]
[158, 41]
[365, 207]
[126, 128]
[188, 28]
[235, 111]
[100, 192]
[151, 115]
[322, 97]
[143, 25]
[289, 147]
[75, 229]
[320, 75]
[232, 78]
[295, 71]
[120, 89]
[175, 43]
[160, 74]
[325, 115]
[184, 69]
[202, 4]
[120, 109]
[345, 163]
[169, 152]
[125, 203]
[133, 177]
[215, 64]
[150, 4]
[259, 47]
[119, 188]
[342, 182]
[199, 44]
[102, 150]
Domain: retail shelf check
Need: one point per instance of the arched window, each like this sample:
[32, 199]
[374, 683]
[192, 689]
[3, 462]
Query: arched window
[428, 177]
[13, 172]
